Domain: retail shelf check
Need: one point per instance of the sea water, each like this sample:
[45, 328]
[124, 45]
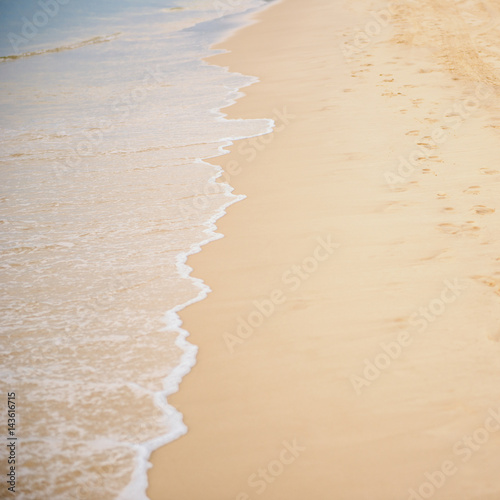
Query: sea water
[108, 112]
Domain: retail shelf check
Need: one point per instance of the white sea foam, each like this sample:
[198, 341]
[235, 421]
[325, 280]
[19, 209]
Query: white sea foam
[105, 196]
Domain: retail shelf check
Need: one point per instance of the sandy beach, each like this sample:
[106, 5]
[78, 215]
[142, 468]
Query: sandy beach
[350, 348]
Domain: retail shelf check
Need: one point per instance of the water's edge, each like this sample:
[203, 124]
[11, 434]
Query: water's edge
[136, 489]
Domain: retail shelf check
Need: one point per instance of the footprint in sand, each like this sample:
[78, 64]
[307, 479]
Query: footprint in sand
[482, 210]
[449, 228]
[489, 281]
[441, 196]
[413, 132]
[391, 94]
[435, 159]
[467, 228]
[472, 190]
[428, 146]
[488, 171]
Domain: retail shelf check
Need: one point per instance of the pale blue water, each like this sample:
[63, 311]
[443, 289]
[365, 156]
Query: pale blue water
[107, 113]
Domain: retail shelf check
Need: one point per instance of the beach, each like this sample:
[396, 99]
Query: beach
[108, 111]
[349, 348]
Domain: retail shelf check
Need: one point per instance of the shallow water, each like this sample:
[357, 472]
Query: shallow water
[107, 113]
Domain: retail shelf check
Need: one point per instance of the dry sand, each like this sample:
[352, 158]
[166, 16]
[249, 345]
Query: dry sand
[379, 362]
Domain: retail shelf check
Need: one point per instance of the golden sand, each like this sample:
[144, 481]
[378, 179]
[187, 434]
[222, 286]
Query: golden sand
[350, 347]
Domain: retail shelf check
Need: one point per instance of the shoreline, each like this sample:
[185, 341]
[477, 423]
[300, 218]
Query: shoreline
[325, 267]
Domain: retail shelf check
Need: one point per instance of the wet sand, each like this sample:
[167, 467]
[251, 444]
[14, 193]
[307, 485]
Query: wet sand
[350, 346]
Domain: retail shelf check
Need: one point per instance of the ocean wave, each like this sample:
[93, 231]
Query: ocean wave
[62, 48]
